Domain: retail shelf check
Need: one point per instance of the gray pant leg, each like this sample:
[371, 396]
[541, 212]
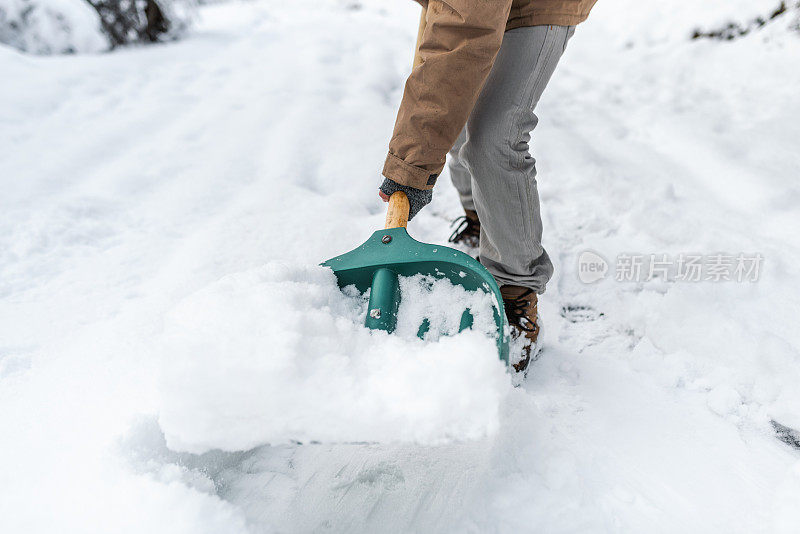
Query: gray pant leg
[496, 155]
[459, 174]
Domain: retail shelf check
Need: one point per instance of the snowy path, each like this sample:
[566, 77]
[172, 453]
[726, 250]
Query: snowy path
[132, 180]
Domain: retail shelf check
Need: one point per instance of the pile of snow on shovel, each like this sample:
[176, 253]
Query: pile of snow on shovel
[280, 354]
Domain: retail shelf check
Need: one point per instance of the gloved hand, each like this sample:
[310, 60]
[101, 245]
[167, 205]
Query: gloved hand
[417, 198]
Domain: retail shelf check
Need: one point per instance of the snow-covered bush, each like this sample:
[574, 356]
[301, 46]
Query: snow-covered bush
[51, 26]
[130, 21]
[795, 25]
[734, 29]
[68, 26]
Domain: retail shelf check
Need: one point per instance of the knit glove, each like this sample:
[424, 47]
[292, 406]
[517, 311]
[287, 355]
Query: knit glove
[417, 198]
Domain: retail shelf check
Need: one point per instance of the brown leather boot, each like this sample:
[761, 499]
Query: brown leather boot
[468, 229]
[520, 304]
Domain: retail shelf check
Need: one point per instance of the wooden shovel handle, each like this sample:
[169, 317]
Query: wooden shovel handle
[397, 214]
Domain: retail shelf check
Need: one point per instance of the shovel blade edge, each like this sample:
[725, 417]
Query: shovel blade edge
[393, 250]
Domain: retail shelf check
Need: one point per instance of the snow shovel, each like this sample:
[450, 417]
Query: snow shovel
[391, 252]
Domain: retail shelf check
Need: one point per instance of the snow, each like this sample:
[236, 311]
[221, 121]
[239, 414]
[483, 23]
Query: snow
[76, 26]
[164, 210]
[672, 22]
[51, 26]
[280, 353]
[442, 303]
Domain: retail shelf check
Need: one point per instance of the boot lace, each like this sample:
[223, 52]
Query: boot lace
[465, 227]
[516, 311]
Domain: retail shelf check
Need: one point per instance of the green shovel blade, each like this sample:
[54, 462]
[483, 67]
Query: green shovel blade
[390, 253]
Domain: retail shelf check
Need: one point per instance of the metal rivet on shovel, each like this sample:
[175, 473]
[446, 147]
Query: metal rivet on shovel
[386, 239]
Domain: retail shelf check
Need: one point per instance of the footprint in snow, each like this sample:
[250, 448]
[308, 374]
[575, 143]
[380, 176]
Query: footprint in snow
[580, 314]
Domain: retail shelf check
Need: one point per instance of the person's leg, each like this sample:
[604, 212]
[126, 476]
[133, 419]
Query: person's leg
[467, 227]
[459, 174]
[496, 154]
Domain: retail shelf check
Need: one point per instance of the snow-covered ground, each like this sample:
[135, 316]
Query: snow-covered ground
[165, 332]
